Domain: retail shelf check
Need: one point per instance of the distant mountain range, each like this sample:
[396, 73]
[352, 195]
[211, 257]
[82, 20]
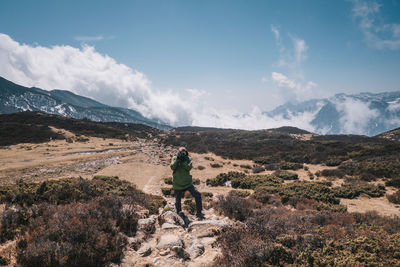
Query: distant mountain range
[16, 98]
[364, 113]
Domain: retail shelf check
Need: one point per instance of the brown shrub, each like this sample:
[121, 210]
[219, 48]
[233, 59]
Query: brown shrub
[76, 234]
[70, 190]
[215, 165]
[236, 207]
[196, 181]
[258, 169]
[245, 166]
[395, 197]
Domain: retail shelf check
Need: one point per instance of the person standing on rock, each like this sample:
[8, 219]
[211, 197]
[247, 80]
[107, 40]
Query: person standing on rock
[181, 164]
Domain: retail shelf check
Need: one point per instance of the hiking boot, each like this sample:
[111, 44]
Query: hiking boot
[200, 216]
[181, 214]
[185, 218]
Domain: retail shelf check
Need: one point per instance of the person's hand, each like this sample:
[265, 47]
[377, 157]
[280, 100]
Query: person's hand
[180, 156]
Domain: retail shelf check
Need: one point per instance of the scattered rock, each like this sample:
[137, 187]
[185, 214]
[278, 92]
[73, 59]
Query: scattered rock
[196, 249]
[181, 253]
[170, 217]
[206, 231]
[146, 223]
[164, 252]
[169, 241]
[167, 226]
[144, 250]
[150, 220]
[208, 228]
[219, 223]
[208, 241]
[133, 242]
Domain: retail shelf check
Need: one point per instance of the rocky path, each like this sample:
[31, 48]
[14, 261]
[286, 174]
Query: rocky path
[173, 244]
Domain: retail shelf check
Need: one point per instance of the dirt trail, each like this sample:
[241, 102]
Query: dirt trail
[146, 164]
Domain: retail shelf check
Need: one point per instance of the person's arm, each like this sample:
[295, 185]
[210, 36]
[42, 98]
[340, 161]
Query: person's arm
[187, 164]
[174, 163]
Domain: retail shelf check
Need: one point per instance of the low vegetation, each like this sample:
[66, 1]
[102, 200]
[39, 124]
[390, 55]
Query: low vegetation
[366, 157]
[395, 197]
[72, 222]
[273, 235]
[286, 175]
[14, 128]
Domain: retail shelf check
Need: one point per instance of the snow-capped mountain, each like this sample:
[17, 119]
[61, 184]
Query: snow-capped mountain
[16, 98]
[364, 113]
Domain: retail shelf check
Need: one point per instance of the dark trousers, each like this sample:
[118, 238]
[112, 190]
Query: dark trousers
[195, 193]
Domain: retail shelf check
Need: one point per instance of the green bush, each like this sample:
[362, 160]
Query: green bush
[291, 166]
[167, 191]
[168, 180]
[296, 191]
[222, 178]
[239, 193]
[356, 188]
[395, 197]
[254, 181]
[286, 175]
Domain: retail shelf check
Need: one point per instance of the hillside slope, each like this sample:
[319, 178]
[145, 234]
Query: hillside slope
[17, 98]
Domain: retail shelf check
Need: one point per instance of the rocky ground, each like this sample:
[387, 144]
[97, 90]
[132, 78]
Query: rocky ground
[173, 244]
[162, 239]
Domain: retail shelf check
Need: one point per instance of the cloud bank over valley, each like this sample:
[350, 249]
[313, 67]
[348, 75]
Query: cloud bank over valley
[87, 72]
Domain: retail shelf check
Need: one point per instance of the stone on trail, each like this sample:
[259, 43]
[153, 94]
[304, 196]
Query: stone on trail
[219, 223]
[171, 217]
[169, 241]
[144, 250]
[166, 226]
[196, 249]
[181, 253]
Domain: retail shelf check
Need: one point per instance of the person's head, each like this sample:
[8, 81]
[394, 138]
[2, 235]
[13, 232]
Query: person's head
[182, 150]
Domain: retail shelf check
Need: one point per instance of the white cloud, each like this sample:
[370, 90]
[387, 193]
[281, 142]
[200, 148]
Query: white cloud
[84, 38]
[300, 49]
[292, 89]
[394, 105]
[275, 30]
[255, 119]
[264, 79]
[355, 115]
[86, 72]
[89, 38]
[377, 34]
[283, 81]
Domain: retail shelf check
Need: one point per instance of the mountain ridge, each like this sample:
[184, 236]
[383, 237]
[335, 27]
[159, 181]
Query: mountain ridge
[365, 113]
[17, 98]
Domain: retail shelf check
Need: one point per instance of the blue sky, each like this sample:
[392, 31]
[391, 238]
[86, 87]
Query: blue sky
[228, 51]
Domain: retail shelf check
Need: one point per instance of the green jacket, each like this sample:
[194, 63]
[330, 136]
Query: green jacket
[181, 173]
